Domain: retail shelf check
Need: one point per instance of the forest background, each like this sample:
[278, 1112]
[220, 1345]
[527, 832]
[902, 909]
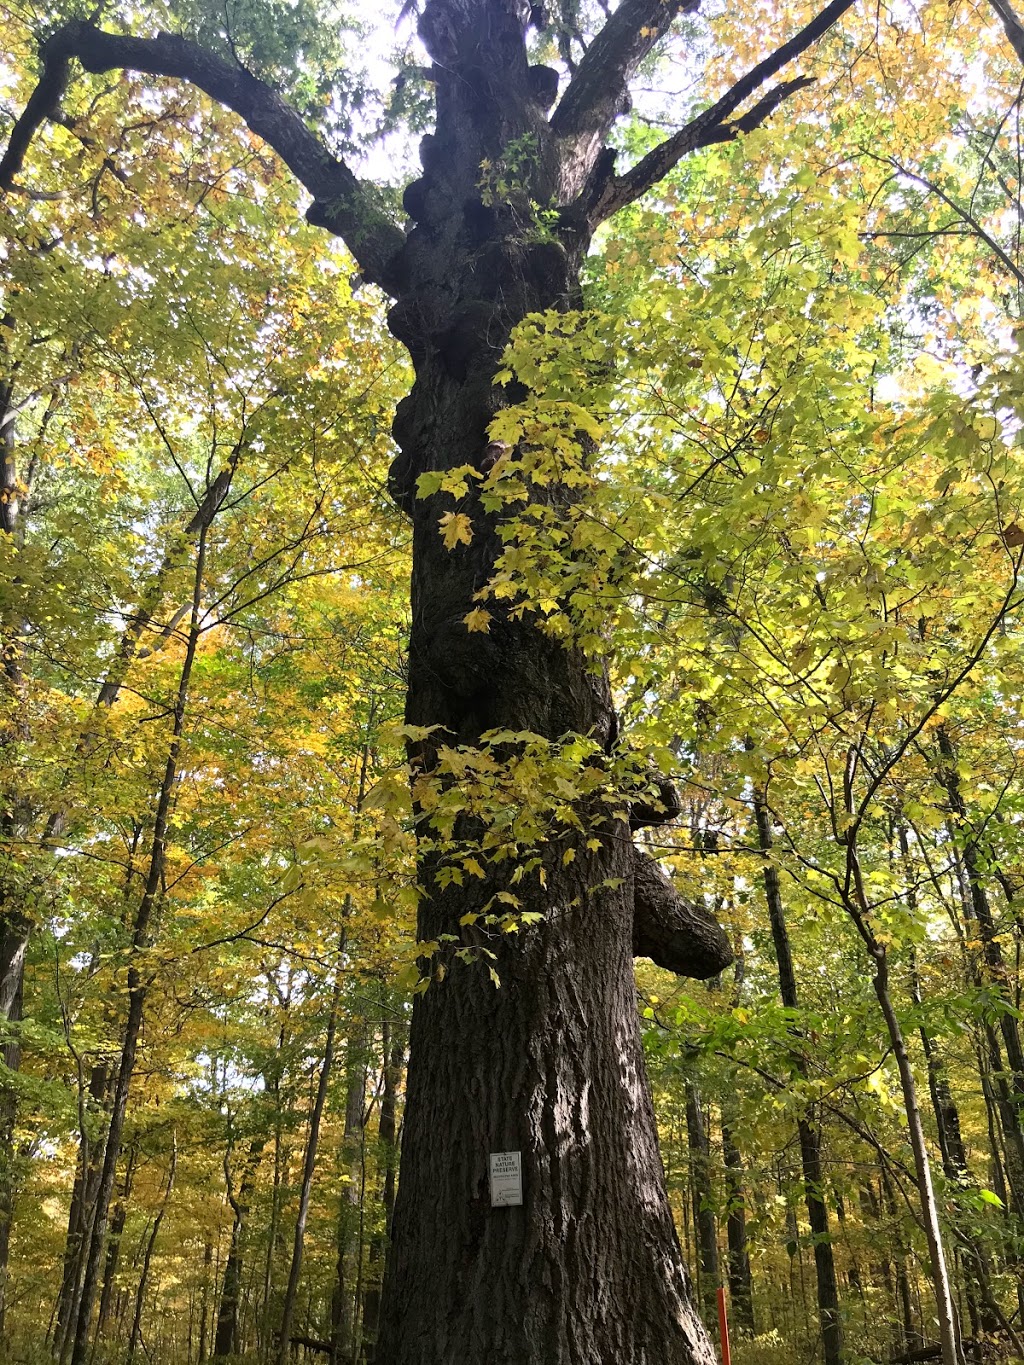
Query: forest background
[798, 535]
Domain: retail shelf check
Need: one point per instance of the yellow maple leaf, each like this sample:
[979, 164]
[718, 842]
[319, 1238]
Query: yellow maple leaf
[477, 619]
[455, 527]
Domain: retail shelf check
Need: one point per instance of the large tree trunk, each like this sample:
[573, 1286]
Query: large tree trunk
[549, 1062]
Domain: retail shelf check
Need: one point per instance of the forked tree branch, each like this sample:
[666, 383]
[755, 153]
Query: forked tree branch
[343, 204]
[715, 124]
[595, 93]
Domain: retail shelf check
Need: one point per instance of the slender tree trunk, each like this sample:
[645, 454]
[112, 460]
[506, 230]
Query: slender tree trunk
[137, 983]
[343, 1306]
[360, 1265]
[911, 1338]
[226, 1338]
[1012, 1085]
[858, 908]
[280, 1165]
[392, 1061]
[266, 1317]
[83, 1199]
[113, 1256]
[15, 925]
[308, 1166]
[741, 1292]
[140, 1293]
[16, 821]
[949, 1335]
[703, 1200]
[807, 1133]
[11, 989]
[205, 1301]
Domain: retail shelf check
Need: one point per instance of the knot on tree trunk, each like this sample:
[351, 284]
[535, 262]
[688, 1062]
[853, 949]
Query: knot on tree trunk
[679, 935]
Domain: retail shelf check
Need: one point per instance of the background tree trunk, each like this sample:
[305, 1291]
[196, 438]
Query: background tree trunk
[807, 1132]
[393, 1060]
[741, 1291]
[308, 1167]
[226, 1336]
[703, 1200]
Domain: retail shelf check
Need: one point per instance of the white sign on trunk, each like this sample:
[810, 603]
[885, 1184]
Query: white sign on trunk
[506, 1179]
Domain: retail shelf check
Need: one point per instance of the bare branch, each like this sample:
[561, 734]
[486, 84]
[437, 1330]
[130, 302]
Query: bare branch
[343, 204]
[601, 200]
[971, 223]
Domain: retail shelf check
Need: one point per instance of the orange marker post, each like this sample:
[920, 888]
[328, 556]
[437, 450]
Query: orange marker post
[723, 1328]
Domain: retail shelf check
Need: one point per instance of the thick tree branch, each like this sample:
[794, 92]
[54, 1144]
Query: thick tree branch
[1012, 25]
[599, 84]
[601, 200]
[344, 205]
[676, 934]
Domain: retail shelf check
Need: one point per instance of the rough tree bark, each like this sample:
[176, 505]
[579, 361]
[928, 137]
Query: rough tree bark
[589, 1269]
